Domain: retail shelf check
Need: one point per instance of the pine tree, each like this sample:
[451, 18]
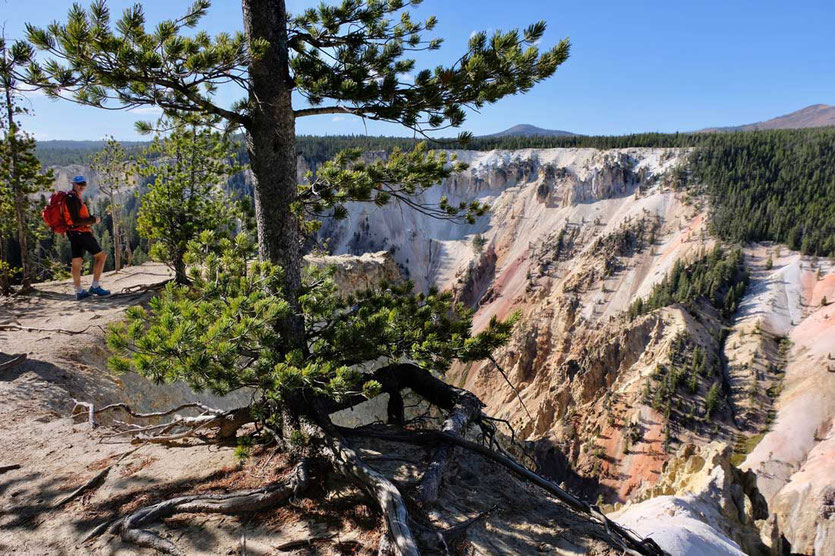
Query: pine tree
[114, 172]
[266, 324]
[353, 54]
[712, 400]
[21, 172]
[189, 167]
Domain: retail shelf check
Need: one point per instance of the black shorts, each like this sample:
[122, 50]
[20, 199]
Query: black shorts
[81, 242]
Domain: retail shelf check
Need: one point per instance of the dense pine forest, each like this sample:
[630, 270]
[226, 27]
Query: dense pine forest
[771, 185]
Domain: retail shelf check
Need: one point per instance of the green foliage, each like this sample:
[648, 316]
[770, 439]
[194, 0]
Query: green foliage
[719, 277]
[221, 332]
[106, 243]
[243, 451]
[371, 64]
[673, 388]
[217, 334]
[479, 242]
[95, 62]
[712, 400]
[115, 171]
[188, 167]
[298, 438]
[771, 185]
[399, 177]
[23, 177]
[360, 68]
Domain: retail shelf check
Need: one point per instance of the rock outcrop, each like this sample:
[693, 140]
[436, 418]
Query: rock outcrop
[353, 273]
[701, 484]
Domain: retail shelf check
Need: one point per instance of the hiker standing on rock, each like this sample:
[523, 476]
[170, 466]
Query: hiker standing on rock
[81, 238]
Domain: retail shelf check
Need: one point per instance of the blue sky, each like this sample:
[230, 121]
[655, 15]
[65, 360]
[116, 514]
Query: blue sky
[635, 66]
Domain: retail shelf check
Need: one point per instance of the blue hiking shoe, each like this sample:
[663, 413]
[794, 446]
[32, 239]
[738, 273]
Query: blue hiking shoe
[100, 291]
[81, 295]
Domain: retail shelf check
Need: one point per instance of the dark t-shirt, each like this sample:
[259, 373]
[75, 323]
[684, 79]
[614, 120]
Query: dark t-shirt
[78, 217]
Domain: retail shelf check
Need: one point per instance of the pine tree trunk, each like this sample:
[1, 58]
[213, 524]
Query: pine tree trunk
[180, 270]
[271, 146]
[117, 241]
[5, 284]
[23, 241]
[14, 181]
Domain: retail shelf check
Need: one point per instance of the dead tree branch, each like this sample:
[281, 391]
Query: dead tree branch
[227, 422]
[131, 527]
[19, 328]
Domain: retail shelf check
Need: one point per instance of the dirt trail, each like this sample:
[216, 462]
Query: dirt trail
[63, 340]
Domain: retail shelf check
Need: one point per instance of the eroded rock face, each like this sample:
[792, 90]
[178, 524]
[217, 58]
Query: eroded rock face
[353, 273]
[701, 504]
[573, 237]
[794, 460]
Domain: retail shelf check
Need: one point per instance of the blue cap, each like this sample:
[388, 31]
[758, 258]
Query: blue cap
[79, 179]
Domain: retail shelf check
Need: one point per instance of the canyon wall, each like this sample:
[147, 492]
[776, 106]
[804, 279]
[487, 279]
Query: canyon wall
[574, 236]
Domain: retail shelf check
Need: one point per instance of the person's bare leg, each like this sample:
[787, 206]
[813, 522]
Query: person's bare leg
[98, 265]
[76, 272]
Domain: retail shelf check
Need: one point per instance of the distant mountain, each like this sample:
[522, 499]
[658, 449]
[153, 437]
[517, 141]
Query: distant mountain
[54, 144]
[817, 115]
[531, 130]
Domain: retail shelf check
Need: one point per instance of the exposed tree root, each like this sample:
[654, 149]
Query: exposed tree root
[131, 527]
[324, 440]
[13, 362]
[445, 541]
[9, 467]
[156, 286]
[17, 327]
[97, 480]
[141, 289]
[301, 543]
[433, 438]
[463, 406]
[463, 413]
[375, 484]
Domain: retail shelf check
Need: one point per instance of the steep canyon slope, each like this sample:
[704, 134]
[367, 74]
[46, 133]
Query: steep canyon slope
[606, 402]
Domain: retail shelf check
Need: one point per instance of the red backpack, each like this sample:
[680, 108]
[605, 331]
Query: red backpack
[53, 213]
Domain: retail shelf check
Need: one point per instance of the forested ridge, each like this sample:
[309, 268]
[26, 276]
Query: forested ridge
[774, 185]
[771, 185]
